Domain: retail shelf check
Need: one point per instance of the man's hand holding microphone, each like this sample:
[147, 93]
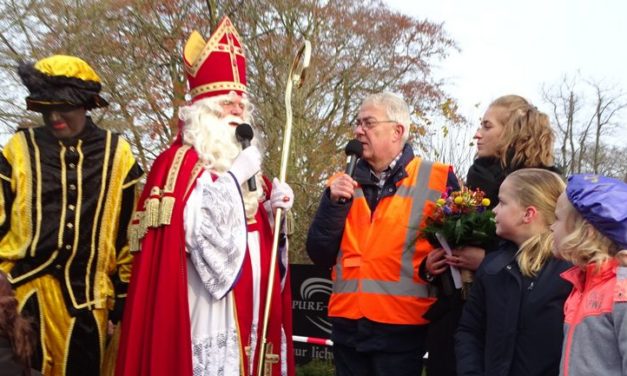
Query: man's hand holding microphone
[342, 187]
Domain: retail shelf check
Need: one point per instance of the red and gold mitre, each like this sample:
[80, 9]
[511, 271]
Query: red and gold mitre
[217, 66]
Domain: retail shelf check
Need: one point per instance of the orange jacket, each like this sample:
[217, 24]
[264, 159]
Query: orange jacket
[376, 274]
[595, 321]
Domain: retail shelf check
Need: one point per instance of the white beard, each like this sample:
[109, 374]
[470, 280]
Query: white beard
[214, 140]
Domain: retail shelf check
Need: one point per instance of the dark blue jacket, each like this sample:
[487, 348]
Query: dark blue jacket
[512, 325]
[323, 244]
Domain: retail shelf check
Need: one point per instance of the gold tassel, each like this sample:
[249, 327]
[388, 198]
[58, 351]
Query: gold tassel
[165, 211]
[134, 231]
[151, 212]
[133, 237]
[142, 227]
[289, 223]
[151, 208]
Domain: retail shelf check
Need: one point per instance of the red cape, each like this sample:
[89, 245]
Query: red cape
[156, 337]
[156, 328]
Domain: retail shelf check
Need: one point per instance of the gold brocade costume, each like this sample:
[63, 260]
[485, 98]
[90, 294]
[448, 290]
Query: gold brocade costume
[65, 206]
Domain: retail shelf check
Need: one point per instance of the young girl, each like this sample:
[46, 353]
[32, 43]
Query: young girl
[512, 320]
[590, 229]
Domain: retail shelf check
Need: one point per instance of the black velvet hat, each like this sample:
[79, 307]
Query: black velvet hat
[61, 81]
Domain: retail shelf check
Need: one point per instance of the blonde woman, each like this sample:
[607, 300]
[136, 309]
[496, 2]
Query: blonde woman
[513, 134]
[590, 229]
[511, 322]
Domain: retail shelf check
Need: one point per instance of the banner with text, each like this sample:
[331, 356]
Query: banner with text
[311, 288]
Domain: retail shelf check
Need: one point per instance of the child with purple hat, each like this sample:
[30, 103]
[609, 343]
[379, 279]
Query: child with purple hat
[589, 231]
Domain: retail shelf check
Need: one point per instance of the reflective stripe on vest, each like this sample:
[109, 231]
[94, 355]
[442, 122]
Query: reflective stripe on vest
[404, 286]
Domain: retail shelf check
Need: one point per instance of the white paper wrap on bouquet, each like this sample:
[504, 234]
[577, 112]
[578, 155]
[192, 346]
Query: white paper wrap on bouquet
[457, 277]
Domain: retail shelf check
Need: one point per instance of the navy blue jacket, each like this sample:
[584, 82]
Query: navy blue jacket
[512, 325]
[323, 243]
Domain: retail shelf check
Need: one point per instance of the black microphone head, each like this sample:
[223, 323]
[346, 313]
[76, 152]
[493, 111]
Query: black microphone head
[244, 132]
[354, 147]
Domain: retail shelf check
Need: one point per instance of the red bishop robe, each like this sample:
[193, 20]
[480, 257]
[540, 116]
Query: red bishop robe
[156, 337]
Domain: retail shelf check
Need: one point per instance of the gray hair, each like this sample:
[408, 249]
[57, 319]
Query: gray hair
[395, 108]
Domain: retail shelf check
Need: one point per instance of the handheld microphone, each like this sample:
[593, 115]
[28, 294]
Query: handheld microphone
[244, 133]
[354, 149]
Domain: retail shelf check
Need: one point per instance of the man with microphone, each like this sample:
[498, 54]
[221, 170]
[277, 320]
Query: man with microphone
[203, 235]
[367, 228]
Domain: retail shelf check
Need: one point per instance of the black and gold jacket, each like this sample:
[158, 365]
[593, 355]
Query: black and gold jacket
[65, 206]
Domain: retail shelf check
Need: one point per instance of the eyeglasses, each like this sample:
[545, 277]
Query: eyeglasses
[369, 123]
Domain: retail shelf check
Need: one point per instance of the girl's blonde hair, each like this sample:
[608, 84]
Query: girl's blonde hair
[538, 188]
[584, 243]
[527, 137]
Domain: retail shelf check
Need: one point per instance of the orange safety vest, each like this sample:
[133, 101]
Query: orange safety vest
[376, 273]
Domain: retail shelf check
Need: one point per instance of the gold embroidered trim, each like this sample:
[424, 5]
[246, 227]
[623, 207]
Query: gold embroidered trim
[38, 195]
[175, 168]
[233, 56]
[64, 198]
[34, 271]
[133, 182]
[198, 168]
[120, 161]
[217, 86]
[93, 249]
[213, 44]
[3, 208]
[159, 205]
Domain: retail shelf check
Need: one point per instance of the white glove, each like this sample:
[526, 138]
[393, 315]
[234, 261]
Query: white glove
[282, 196]
[246, 165]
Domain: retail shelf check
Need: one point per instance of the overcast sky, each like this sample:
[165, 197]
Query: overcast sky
[515, 47]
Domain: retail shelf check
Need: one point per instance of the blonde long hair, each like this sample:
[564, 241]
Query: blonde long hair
[527, 138]
[538, 188]
[584, 243]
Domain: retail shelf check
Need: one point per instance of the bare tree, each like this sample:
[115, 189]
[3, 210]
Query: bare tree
[451, 142]
[612, 158]
[608, 104]
[359, 47]
[565, 104]
[585, 115]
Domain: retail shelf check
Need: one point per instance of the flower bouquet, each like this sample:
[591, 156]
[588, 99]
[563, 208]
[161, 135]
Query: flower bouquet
[461, 218]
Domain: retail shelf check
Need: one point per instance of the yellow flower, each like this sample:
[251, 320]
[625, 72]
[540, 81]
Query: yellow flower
[440, 202]
[458, 200]
[485, 202]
